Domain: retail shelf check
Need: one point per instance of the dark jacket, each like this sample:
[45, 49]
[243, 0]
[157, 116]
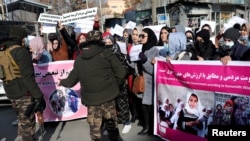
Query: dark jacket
[20, 86]
[72, 44]
[238, 52]
[100, 74]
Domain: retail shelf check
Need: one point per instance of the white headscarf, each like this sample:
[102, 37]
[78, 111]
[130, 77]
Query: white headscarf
[197, 111]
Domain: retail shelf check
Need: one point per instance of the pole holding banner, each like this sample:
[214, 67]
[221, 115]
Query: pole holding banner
[100, 5]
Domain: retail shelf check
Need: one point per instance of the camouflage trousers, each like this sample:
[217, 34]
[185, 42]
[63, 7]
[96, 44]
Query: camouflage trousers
[102, 114]
[26, 125]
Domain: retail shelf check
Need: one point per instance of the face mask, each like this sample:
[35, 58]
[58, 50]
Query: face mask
[108, 46]
[199, 44]
[244, 38]
[190, 39]
[230, 44]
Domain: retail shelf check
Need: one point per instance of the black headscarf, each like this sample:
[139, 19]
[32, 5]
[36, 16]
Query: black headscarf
[152, 39]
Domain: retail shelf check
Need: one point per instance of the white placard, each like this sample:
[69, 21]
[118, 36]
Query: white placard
[118, 30]
[130, 25]
[84, 27]
[111, 31]
[156, 29]
[81, 15]
[30, 37]
[122, 46]
[48, 28]
[212, 24]
[49, 18]
[134, 52]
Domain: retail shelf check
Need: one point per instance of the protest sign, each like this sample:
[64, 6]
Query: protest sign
[81, 15]
[48, 28]
[122, 46]
[49, 18]
[134, 52]
[130, 25]
[118, 30]
[62, 103]
[84, 27]
[212, 24]
[156, 29]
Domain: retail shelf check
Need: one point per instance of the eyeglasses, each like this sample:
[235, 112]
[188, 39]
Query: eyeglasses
[142, 36]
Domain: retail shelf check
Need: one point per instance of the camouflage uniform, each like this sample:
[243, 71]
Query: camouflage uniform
[26, 125]
[97, 115]
[100, 83]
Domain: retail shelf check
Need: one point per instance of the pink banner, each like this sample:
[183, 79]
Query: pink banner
[61, 103]
[221, 94]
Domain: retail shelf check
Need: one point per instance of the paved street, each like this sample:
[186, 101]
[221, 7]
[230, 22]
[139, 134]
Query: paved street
[76, 130]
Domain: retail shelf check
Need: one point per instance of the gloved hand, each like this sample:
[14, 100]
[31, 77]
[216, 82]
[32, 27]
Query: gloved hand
[143, 57]
[40, 105]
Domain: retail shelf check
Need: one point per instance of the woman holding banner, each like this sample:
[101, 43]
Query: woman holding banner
[147, 55]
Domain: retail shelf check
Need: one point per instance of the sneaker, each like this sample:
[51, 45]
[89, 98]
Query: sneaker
[15, 123]
[126, 128]
[19, 138]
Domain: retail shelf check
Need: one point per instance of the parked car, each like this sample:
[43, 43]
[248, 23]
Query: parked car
[3, 98]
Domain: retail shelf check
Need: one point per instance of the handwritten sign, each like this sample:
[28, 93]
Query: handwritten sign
[212, 24]
[130, 25]
[73, 17]
[156, 29]
[118, 30]
[48, 28]
[84, 27]
[49, 18]
[134, 52]
[122, 46]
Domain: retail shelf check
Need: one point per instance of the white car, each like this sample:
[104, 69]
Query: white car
[3, 98]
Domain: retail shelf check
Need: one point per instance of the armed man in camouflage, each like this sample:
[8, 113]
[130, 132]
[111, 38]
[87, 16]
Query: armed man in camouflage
[100, 74]
[23, 92]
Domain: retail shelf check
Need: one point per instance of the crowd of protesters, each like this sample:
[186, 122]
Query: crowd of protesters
[125, 107]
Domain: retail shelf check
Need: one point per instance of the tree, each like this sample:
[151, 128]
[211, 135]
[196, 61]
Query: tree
[132, 3]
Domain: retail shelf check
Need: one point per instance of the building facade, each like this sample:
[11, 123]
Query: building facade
[189, 13]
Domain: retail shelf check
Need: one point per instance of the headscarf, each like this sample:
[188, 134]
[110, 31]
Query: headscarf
[197, 111]
[37, 45]
[152, 39]
[78, 37]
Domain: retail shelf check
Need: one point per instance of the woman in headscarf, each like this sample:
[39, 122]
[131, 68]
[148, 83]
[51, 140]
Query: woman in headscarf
[74, 49]
[121, 100]
[204, 47]
[134, 101]
[39, 53]
[147, 55]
